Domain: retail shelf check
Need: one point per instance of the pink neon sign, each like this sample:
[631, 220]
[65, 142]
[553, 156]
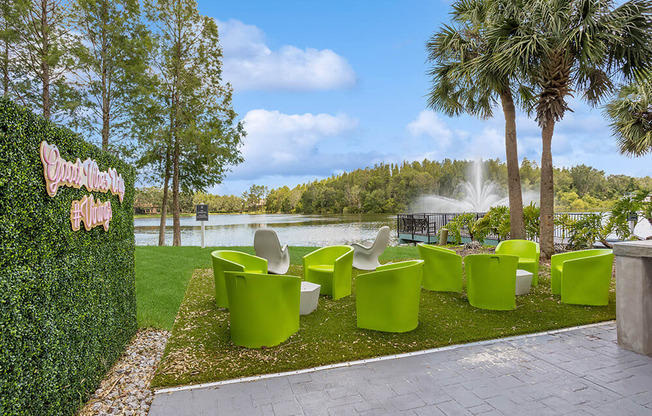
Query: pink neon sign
[91, 213]
[60, 172]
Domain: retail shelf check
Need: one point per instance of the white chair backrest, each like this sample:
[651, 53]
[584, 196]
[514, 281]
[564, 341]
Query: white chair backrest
[268, 246]
[382, 238]
[266, 242]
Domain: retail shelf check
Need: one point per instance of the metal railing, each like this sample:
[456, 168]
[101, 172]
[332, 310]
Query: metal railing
[428, 225]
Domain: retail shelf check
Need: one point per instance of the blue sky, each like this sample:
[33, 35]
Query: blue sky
[327, 87]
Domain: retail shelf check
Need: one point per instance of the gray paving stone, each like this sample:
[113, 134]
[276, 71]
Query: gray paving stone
[429, 411]
[578, 372]
[406, 402]
[453, 408]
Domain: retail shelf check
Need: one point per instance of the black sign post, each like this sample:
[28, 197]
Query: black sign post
[632, 217]
[201, 214]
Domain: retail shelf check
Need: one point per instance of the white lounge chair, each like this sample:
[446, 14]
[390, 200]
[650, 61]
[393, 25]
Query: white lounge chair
[366, 258]
[267, 246]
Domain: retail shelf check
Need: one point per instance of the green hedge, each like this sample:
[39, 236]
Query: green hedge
[67, 298]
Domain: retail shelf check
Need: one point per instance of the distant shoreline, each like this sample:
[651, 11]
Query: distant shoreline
[192, 214]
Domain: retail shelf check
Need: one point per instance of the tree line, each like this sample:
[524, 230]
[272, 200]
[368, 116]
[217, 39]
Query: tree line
[394, 188]
[141, 79]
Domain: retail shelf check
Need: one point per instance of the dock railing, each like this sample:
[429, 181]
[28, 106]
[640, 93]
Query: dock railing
[422, 226]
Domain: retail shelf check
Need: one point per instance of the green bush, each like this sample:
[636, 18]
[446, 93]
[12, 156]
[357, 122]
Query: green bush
[67, 298]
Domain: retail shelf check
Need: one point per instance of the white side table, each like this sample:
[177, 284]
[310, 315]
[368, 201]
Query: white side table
[523, 282]
[309, 297]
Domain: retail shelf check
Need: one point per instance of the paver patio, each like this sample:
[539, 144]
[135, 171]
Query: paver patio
[580, 371]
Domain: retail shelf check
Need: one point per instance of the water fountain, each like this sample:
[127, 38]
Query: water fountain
[478, 195]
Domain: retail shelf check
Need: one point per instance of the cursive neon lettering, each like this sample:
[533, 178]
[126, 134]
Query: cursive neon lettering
[91, 213]
[59, 172]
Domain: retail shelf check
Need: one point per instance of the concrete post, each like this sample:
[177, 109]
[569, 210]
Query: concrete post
[634, 295]
[443, 236]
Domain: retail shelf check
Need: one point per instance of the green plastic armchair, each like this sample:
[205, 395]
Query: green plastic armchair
[491, 280]
[528, 253]
[388, 299]
[233, 261]
[442, 268]
[330, 267]
[582, 277]
[264, 308]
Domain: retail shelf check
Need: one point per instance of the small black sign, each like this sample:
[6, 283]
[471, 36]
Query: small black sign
[632, 217]
[201, 212]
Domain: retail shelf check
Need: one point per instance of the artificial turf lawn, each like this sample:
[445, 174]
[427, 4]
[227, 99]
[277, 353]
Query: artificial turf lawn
[199, 349]
[163, 273]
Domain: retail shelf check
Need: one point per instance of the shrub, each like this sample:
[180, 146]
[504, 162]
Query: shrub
[531, 217]
[67, 298]
[496, 222]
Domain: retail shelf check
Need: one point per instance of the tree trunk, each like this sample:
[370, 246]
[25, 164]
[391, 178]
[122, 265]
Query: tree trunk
[517, 224]
[45, 66]
[176, 228]
[164, 207]
[547, 226]
[5, 61]
[106, 115]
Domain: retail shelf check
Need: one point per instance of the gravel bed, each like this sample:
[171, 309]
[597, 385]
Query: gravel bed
[125, 390]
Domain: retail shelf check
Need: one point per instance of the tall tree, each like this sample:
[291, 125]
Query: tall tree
[114, 63]
[8, 38]
[44, 49]
[630, 114]
[465, 82]
[202, 136]
[564, 47]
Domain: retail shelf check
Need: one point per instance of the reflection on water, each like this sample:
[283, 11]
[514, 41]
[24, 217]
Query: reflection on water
[292, 229]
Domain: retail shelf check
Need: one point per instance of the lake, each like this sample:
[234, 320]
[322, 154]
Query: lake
[292, 229]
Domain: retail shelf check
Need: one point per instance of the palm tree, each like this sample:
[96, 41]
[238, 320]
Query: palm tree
[464, 82]
[630, 114]
[566, 47]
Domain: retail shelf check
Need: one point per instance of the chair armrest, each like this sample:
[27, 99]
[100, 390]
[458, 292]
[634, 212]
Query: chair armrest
[345, 258]
[362, 247]
[256, 262]
[558, 259]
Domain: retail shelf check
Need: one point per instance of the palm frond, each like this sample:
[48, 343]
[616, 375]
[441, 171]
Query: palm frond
[630, 114]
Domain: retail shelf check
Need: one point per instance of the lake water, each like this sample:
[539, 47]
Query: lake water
[292, 229]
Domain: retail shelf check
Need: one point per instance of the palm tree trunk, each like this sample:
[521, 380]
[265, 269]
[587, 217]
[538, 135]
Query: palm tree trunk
[517, 224]
[547, 226]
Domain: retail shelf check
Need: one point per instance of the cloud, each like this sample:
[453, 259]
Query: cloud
[249, 64]
[428, 124]
[291, 144]
[451, 143]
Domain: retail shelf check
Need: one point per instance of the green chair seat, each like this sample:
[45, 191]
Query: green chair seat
[235, 261]
[442, 268]
[388, 298]
[331, 268]
[264, 308]
[582, 277]
[322, 268]
[528, 253]
[491, 280]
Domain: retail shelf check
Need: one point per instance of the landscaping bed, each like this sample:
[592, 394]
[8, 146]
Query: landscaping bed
[199, 349]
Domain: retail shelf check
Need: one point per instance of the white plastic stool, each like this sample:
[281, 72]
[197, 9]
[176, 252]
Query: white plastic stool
[523, 282]
[309, 297]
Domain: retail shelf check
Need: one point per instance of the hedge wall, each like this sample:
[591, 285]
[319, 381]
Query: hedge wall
[67, 298]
